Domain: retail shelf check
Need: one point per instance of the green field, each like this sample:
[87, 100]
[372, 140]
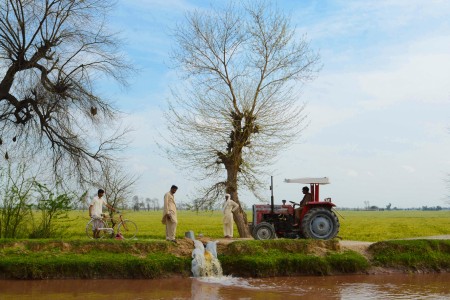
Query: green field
[376, 226]
[369, 226]
[77, 256]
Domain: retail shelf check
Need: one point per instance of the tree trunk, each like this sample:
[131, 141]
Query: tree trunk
[239, 216]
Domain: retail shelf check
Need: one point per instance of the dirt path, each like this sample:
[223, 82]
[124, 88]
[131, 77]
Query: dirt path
[357, 246]
[434, 237]
[362, 247]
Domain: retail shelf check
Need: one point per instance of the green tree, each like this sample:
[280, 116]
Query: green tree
[53, 208]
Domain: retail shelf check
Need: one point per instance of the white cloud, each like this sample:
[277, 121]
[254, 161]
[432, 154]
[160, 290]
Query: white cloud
[352, 173]
[420, 78]
[351, 18]
[378, 123]
[322, 117]
[398, 178]
[409, 169]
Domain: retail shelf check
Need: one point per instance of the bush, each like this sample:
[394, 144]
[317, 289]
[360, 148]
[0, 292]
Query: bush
[15, 201]
[53, 208]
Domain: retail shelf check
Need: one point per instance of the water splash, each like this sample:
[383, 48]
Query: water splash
[204, 261]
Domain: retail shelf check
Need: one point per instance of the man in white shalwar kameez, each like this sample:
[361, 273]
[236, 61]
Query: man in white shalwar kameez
[229, 206]
[170, 214]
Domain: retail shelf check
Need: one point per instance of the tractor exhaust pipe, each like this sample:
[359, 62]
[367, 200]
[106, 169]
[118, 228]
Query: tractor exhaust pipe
[271, 197]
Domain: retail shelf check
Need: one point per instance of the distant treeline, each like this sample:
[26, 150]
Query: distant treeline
[375, 208]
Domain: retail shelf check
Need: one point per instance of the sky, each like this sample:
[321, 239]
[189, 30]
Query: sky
[378, 111]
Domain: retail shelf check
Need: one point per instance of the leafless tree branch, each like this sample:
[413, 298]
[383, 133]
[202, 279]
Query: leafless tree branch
[51, 52]
[239, 107]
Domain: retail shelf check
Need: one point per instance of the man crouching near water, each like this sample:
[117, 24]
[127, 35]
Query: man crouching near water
[170, 214]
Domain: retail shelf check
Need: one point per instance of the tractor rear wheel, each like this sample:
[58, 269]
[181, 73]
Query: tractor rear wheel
[264, 231]
[320, 223]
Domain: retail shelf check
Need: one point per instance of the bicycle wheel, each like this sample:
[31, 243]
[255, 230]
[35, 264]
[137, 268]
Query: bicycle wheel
[90, 229]
[128, 229]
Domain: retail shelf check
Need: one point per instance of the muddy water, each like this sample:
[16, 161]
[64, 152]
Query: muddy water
[428, 286]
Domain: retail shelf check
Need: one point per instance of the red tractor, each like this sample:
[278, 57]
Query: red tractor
[317, 220]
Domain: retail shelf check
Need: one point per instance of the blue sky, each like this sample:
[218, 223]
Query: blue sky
[378, 110]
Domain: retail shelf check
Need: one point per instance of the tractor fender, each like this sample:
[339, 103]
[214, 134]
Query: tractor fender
[322, 203]
[313, 205]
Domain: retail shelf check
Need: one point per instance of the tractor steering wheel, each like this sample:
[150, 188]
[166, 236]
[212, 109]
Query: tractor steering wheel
[293, 203]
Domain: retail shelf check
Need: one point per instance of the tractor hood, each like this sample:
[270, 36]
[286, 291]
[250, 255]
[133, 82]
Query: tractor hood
[309, 180]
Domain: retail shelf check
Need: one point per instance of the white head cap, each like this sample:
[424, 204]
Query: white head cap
[227, 196]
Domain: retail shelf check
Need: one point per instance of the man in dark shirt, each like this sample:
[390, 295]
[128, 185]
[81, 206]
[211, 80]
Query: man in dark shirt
[306, 198]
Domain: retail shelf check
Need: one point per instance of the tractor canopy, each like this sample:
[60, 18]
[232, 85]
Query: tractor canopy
[309, 180]
[314, 184]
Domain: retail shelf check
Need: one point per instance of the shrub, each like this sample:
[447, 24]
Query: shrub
[52, 208]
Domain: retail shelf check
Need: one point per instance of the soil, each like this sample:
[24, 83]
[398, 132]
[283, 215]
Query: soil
[184, 247]
[357, 246]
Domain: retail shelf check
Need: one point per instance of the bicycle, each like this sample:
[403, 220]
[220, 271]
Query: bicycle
[125, 228]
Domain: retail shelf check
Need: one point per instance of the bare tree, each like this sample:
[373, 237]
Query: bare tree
[148, 201]
[118, 185]
[155, 203]
[51, 53]
[135, 203]
[239, 106]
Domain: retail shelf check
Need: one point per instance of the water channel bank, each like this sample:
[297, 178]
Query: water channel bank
[51, 259]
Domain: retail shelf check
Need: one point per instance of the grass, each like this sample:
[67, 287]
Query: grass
[415, 255]
[44, 259]
[371, 226]
[40, 259]
[285, 257]
[68, 265]
[150, 256]
[374, 226]
[150, 226]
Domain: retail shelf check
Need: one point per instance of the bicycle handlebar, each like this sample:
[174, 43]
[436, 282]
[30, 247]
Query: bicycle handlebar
[104, 215]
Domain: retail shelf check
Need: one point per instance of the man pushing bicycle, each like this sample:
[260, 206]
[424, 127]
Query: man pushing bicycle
[96, 211]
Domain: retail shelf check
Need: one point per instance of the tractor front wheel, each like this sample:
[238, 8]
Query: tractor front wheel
[320, 223]
[264, 231]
